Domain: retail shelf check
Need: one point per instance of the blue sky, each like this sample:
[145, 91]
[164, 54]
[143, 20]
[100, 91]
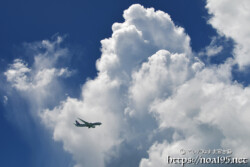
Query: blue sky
[60, 60]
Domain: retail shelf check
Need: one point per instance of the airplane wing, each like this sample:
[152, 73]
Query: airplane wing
[83, 121]
[81, 125]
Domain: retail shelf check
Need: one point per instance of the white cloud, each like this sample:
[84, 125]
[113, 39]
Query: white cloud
[23, 78]
[231, 18]
[17, 74]
[138, 48]
[207, 112]
[159, 152]
[159, 77]
[212, 49]
[36, 82]
[42, 72]
[147, 70]
[89, 147]
[143, 33]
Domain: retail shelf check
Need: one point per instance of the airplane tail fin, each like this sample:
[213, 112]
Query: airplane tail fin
[77, 123]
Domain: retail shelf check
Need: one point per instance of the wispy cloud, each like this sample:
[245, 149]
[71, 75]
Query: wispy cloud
[36, 81]
[212, 49]
[5, 100]
[23, 78]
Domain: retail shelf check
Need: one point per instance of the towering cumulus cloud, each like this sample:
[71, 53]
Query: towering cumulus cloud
[152, 95]
[146, 59]
[150, 84]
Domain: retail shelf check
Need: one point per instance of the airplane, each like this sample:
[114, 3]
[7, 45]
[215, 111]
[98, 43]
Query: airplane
[86, 124]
